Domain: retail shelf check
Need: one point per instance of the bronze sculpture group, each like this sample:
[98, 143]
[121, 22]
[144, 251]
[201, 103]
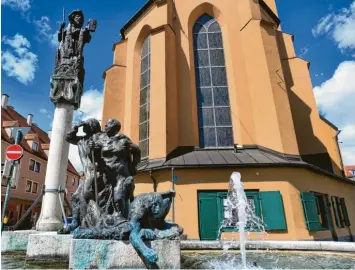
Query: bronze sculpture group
[110, 159]
[104, 206]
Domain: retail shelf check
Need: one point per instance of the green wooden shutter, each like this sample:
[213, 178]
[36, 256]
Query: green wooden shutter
[310, 211]
[345, 212]
[335, 211]
[208, 215]
[272, 210]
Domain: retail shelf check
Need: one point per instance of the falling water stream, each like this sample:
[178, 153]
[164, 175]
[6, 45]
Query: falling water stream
[240, 215]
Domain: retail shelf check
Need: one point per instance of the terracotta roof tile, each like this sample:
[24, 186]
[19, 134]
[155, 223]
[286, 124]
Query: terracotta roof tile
[9, 124]
[31, 136]
[349, 170]
[45, 146]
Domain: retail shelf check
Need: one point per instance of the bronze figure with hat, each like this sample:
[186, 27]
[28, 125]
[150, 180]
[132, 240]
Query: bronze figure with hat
[68, 77]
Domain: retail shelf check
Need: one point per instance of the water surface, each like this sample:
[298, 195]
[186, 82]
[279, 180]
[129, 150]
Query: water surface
[218, 260]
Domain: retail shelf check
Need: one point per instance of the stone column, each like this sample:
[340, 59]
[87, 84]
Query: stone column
[66, 84]
[51, 215]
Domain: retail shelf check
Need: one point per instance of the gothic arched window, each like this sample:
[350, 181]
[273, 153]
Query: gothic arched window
[144, 101]
[214, 116]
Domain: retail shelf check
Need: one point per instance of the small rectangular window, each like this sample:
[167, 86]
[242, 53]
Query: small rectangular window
[35, 146]
[31, 165]
[28, 186]
[34, 187]
[37, 168]
[73, 181]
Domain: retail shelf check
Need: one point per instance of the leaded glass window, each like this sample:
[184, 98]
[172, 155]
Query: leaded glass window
[214, 116]
[144, 99]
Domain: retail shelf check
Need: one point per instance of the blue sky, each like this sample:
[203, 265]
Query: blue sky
[323, 29]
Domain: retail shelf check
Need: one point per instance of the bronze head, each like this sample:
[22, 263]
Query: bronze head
[76, 18]
[112, 127]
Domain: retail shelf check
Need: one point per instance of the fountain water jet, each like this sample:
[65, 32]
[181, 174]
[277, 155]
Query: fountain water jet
[240, 214]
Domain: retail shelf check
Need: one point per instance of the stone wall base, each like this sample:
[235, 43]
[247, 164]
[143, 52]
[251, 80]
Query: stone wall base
[48, 246]
[110, 254]
[15, 241]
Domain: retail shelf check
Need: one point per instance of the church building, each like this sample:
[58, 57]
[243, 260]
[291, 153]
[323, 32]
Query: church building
[208, 88]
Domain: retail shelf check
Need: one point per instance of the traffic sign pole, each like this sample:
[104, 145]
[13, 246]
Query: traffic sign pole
[18, 139]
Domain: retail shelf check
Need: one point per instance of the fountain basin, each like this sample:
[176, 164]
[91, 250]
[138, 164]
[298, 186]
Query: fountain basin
[267, 245]
[216, 259]
[267, 260]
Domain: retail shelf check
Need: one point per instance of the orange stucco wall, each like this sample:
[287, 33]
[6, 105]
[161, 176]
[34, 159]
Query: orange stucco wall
[289, 181]
[272, 5]
[271, 97]
[256, 53]
[313, 134]
[328, 138]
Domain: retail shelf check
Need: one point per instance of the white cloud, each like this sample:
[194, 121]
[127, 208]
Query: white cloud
[336, 98]
[43, 111]
[90, 107]
[303, 51]
[348, 133]
[74, 158]
[45, 31]
[21, 5]
[340, 26]
[18, 61]
[347, 139]
[46, 113]
[324, 25]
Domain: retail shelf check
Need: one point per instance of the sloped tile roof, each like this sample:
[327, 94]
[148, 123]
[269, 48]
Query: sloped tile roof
[222, 157]
[248, 157]
[9, 124]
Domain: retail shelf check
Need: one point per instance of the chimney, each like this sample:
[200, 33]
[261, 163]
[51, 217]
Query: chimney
[4, 99]
[29, 119]
[49, 133]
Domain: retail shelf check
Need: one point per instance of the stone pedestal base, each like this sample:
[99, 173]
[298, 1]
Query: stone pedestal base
[48, 246]
[15, 241]
[111, 254]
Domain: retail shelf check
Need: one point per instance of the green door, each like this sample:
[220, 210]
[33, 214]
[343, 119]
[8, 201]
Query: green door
[208, 215]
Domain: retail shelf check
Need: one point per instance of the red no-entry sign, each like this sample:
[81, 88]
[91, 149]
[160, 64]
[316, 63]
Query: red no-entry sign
[14, 152]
